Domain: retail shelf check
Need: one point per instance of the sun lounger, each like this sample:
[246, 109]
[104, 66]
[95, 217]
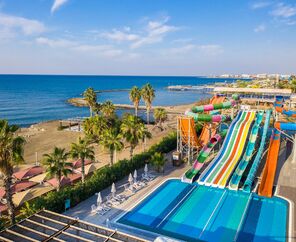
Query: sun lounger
[129, 188]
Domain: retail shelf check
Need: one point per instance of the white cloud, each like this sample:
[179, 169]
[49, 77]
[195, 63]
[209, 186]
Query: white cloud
[57, 4]
[120, 36]
[56, 43]
[92, 49]
[284, 11]
[155, 33]
[26, 26]
[260, 28]
[258, 5]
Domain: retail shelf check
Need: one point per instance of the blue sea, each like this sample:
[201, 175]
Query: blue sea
[30, 99]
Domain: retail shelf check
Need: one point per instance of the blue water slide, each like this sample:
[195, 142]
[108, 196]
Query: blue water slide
[252, 173]
[239, 171]
[222, 150]
[285, 126]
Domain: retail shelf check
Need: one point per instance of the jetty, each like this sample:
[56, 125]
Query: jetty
[203, 89]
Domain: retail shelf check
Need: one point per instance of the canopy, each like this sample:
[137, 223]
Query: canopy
[77, 163]
[40, 178]
[29, 172]
[65, 180]
[88, 169]
[18, 187]
[22, 197]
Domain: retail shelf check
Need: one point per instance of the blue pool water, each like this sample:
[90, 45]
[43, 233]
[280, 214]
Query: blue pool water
[199, 213]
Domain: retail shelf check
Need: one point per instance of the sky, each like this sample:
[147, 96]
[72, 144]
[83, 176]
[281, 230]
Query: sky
[147, 37]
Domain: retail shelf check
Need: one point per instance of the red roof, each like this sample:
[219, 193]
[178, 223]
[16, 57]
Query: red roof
[77, 163]
[65, 180]
[28, 173]
[18, 187]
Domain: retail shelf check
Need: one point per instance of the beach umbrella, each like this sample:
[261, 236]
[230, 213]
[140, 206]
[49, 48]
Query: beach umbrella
[146, 169]
[130, 179]
[113, 189]
[135, 175]
[99, 199]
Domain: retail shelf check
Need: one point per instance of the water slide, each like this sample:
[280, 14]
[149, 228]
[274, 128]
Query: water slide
[221, 168]
[207, 117]
[253, 171]
[279, 107]
[210, 107]
[209, 130]
[237, 175]
[209, 169]
[269, 171]
[268, 174]
[188, 132]
[203, 155]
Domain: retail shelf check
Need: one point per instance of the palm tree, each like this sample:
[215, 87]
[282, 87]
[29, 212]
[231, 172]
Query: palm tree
[56, 165]
[82, 150]
[133, 131]
[160, 115]
[94, 127]
[11, 154]
[135, 96]
[148, 94]
[158, 161]
[108, 109]
[91, 98]
[111, 140]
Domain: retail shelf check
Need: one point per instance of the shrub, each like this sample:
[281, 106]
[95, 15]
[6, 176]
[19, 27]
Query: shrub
[100, 179]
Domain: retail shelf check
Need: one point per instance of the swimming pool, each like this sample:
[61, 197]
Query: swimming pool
[192, 212]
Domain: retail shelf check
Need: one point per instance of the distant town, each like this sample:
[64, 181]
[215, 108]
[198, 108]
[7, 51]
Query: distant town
[255, 76]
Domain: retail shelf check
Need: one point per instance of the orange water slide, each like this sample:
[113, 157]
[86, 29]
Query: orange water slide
[187, 128]
[204, 137]
[268, 174]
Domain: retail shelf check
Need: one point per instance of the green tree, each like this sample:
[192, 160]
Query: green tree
[293, 85]
[94, 127]
[11, 154]
[108, 109]
[241, 83]
[133, 131]
[111, 140]
[56, 165]
[158, 161]
[91, 98]
[82, 150]
[135, 96]
[148, 94]
[27, 210]
[160, 115]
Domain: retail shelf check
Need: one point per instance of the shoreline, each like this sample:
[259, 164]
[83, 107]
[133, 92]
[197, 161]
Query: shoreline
[80, 102]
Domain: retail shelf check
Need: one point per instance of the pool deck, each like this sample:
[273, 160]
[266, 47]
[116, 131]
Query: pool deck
[83, 209]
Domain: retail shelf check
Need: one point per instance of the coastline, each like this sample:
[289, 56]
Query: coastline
[80, 102]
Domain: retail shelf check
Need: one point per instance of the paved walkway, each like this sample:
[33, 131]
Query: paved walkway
[83, 209]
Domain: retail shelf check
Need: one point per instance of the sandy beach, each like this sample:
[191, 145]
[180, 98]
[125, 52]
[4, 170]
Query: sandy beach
[43, 137]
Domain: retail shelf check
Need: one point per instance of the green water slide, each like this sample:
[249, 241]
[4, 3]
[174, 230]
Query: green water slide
[202, 157]
[237, 176]
[252, 173]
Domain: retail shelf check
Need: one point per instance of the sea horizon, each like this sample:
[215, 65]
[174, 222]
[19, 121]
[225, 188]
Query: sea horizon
[30, 99]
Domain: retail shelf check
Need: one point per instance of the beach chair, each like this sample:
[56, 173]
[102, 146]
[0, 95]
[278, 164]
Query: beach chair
[129, 188]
